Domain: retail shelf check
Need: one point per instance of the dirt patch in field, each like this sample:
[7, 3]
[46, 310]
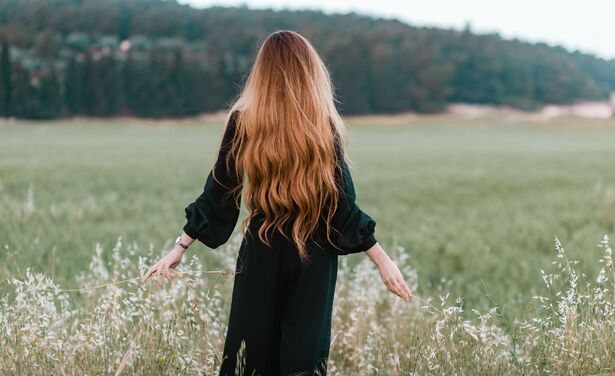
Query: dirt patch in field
[483, 117]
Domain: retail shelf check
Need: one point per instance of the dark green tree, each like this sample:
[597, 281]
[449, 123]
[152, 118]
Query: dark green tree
[50, 96]
[73, 90]
[6, 84]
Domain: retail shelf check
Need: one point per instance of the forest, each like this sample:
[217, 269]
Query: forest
[156, 58]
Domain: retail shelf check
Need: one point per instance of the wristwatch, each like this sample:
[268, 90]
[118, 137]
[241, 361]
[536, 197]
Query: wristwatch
[178, 242]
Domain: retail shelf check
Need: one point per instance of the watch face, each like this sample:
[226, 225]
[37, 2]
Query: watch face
[179, 238]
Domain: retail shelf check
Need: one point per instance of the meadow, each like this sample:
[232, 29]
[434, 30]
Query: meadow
[478, 213]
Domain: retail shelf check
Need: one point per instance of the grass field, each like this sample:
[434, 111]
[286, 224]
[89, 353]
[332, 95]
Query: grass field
[474, 204]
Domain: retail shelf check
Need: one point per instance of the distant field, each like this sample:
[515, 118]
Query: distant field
[475, 202]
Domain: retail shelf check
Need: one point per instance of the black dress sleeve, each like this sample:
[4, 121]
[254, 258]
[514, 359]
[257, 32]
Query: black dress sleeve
[212, 217]
[353, 229]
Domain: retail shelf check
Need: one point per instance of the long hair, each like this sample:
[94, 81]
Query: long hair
[284, 144]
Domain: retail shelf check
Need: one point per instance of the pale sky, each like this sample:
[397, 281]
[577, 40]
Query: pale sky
[587, 25]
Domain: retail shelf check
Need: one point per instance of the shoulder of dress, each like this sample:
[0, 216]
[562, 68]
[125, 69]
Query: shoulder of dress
[232, 121]
[234, 115]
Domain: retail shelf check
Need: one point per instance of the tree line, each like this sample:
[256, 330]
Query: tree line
[156, 58]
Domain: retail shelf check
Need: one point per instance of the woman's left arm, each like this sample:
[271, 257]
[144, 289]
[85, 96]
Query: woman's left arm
[212, 216]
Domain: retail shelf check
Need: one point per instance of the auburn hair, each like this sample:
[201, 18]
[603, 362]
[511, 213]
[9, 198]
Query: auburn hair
[284, 146]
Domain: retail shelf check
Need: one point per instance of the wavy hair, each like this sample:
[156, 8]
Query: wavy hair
[284, 147]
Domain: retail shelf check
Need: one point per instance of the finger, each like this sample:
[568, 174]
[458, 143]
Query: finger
[401, 289]
[158, 279]
[150, 272]
[391, 286]
[166, 273]
[396, 289]
[406, 289]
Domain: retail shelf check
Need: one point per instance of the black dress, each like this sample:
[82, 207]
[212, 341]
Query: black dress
[281, 308]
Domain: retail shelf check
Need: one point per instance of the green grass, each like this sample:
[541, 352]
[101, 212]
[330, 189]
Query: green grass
[477, 203]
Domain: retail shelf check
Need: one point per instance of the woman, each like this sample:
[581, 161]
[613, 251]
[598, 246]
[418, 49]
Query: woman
[284, 146]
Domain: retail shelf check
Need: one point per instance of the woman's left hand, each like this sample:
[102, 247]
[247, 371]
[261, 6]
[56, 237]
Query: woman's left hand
[163, 267]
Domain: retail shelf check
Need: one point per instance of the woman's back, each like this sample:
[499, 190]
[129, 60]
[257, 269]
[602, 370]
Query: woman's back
[350, 229]
[286, 132]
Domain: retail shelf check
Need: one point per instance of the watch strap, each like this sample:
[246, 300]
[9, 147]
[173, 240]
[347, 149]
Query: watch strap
[179, 243]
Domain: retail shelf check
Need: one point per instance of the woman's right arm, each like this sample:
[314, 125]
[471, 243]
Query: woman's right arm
[355, 233]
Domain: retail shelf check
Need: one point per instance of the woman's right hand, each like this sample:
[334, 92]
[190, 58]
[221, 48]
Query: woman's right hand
[393, 280]
[389, 272]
